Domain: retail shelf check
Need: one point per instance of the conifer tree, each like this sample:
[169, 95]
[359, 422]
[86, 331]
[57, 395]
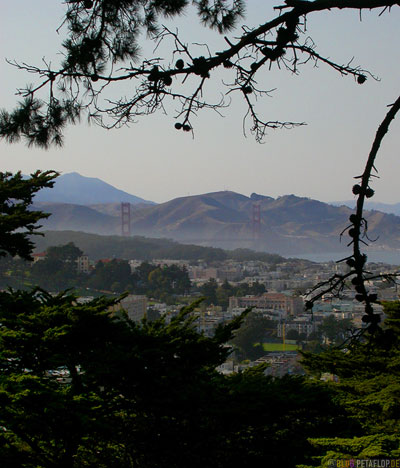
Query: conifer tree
[18, 222]
[367, 387]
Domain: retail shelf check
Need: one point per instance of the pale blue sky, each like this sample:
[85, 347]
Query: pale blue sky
[154, 161]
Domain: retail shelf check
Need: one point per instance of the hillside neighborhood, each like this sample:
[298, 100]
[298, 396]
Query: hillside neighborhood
[275, 291]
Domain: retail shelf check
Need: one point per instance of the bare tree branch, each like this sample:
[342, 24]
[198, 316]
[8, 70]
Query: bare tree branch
[357, 230]
[103, 34]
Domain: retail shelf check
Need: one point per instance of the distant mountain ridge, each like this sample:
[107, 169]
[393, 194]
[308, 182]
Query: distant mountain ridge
[390, 208]
[80, 190]
[289, 225]
[75, 218]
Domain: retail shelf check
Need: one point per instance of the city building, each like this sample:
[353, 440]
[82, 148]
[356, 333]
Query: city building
[135, 306]
[292, 305]
[302, 325]
[83, 264]
[39, 256]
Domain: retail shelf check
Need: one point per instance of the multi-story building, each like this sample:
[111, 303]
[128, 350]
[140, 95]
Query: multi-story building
[82, 264]
[304, 326]
[203, 273]
[291, 305]
[135, 306]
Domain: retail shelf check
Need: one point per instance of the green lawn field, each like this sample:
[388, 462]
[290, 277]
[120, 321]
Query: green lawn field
[279, 347]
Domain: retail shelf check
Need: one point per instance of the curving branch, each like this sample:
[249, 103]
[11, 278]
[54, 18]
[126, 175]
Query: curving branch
[357, 230]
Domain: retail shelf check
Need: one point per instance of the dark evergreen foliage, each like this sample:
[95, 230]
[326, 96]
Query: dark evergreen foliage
[38, 127]
[80, 387]
[65, 253]
[249, 338]
[17, 221]
[368, 389]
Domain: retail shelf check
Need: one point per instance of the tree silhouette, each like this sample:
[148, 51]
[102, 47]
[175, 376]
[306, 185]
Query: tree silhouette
[367, 388]
[101, 51]
[358, 233]
[18, 222]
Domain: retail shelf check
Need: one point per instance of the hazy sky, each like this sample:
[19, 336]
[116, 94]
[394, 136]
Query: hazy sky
[154, 161]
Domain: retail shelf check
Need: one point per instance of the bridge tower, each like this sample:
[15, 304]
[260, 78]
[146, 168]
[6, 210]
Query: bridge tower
[256, 220]
[125, 219]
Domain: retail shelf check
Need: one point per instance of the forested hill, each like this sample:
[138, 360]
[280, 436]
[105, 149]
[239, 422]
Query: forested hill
[143, 248]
